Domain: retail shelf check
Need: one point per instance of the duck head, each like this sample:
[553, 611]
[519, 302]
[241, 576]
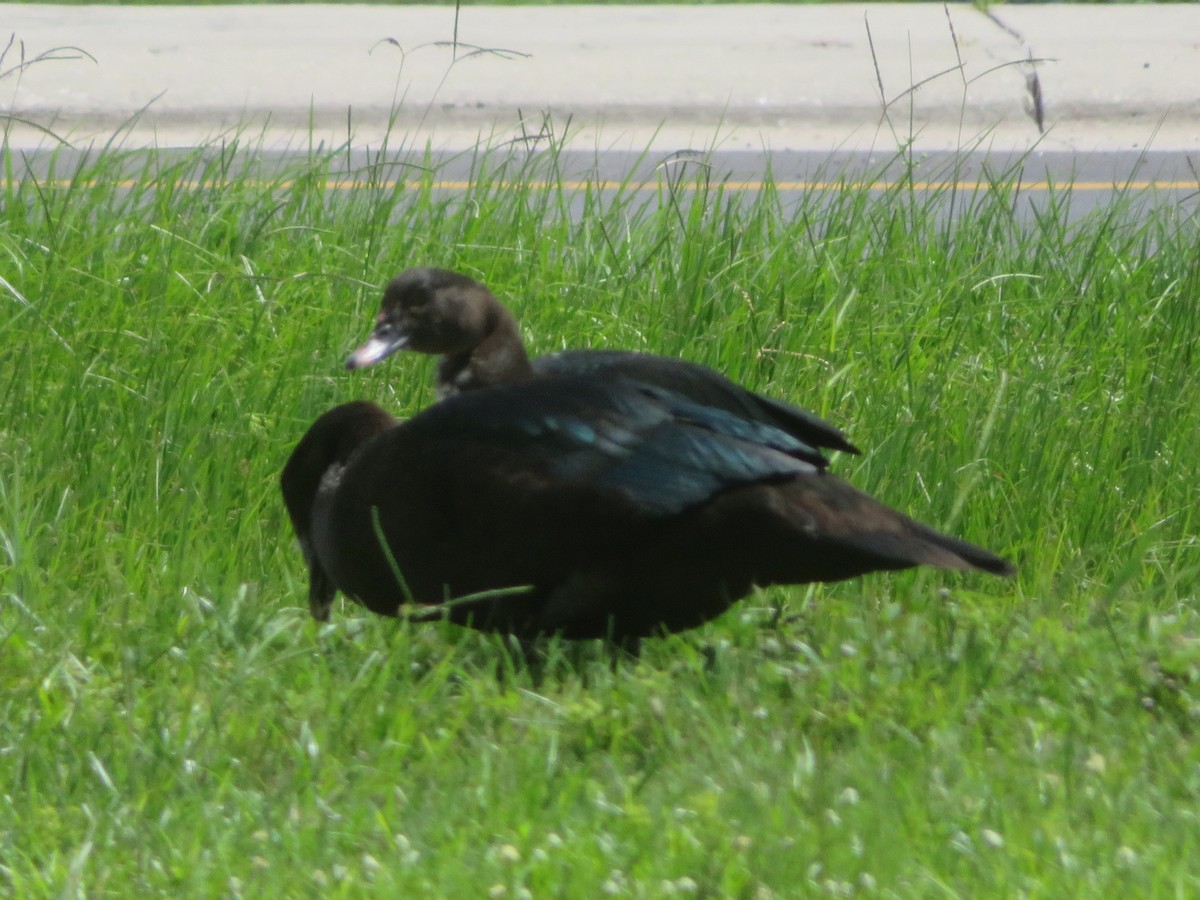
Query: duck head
[312, 472]
[433, 311]
[446, 314]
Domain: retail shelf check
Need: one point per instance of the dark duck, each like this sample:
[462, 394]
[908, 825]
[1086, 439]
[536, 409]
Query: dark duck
[613, 508]
[450, 315]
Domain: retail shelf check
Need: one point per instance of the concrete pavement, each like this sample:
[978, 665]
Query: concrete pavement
[783, 77]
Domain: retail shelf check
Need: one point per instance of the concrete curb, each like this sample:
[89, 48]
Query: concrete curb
[785, 77]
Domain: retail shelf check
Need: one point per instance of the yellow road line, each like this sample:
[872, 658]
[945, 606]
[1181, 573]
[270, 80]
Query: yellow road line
[608, 185]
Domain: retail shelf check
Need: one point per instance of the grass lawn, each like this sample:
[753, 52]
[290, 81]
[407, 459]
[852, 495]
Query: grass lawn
[172, 723]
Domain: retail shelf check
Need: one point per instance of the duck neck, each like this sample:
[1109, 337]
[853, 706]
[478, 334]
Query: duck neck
[498, 359]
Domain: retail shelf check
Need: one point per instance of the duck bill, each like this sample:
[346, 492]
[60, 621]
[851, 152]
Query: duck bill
[374, 350]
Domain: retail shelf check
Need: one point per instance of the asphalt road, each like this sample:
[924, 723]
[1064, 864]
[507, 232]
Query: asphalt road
[1059, 94]
[1148, 179]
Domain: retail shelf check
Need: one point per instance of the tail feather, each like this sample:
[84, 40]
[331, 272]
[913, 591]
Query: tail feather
[919, 544]
[851, 533]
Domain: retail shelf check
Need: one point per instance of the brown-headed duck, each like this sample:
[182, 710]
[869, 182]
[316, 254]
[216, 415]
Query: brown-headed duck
[450, 315]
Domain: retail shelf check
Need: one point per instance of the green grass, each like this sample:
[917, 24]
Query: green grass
[171, 723]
